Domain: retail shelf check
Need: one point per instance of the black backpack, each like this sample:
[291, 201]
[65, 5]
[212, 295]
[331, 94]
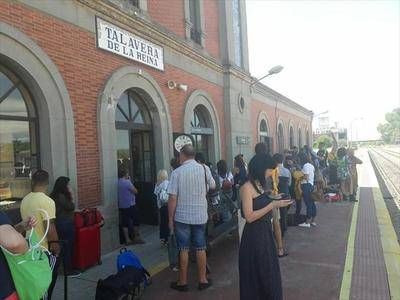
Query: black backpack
[129, 283]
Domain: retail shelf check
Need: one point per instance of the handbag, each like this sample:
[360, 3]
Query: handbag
[31, 270]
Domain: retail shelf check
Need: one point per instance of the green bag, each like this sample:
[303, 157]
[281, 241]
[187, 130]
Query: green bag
[31, 270]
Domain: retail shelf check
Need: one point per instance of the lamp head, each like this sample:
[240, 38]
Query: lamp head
[275, 70]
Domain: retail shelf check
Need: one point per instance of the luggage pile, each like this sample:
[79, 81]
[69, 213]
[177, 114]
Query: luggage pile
[332, 194]
[128, 283]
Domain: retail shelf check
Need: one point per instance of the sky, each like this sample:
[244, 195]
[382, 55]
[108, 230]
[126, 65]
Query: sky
[340, 56]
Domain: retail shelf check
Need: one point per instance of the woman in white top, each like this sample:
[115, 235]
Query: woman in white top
[160, 191]
[307, 186]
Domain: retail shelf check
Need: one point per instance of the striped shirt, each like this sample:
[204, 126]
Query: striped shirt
[188, 183]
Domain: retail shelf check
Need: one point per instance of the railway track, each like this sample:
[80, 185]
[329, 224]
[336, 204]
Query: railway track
[391, 153]
[387, 163]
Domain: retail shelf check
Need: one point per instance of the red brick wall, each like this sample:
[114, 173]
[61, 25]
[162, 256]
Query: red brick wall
[74, 52]
[211, 17]
[171, 15]
[257, 107]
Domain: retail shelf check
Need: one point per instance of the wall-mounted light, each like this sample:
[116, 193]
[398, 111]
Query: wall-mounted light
[180, 86]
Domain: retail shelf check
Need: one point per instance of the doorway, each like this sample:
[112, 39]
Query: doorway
[135, 151]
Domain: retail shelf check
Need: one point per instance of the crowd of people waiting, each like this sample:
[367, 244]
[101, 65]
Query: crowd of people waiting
[263, 190]
[299, 174]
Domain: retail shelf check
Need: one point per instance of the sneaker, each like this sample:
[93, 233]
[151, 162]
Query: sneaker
[305, 225]
[175, 269]
[73, 274]
[313, 224]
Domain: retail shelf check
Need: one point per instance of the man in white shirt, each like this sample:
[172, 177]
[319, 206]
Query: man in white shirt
[188, 214]
[307, 186]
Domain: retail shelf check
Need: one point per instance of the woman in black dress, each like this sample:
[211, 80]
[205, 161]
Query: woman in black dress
[260, 277]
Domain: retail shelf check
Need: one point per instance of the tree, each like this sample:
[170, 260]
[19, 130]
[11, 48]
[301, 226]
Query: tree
[390, 130]
[326, 140]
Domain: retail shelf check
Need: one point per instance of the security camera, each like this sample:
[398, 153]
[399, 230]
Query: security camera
[183, 87]
[171, 84]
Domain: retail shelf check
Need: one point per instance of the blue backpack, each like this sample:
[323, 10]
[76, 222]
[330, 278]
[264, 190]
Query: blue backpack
[127, 258]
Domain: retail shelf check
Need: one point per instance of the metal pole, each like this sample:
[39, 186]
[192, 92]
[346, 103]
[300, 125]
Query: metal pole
[258, 80]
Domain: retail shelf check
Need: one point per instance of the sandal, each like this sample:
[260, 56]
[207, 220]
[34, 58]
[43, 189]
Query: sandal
[283, 254]
[180, 288]
[205, 285]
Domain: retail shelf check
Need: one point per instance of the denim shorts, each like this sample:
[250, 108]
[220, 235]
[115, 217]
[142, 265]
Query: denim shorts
[189, 235]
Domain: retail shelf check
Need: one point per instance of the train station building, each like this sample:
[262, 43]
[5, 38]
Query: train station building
[90, 85]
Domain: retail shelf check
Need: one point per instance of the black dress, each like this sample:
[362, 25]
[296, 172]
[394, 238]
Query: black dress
[259, 273]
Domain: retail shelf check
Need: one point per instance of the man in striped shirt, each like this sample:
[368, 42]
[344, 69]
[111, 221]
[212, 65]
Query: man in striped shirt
[187, 206]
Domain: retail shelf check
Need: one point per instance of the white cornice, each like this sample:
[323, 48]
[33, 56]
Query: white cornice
[263, 90]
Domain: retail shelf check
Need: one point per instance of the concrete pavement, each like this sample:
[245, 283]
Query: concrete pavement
[313, 269]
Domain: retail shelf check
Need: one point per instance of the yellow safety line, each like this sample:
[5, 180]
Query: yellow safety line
[390, 245]
[348, 267]
[158, 268]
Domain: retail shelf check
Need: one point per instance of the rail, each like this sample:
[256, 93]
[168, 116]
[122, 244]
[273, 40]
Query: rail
[389, 169]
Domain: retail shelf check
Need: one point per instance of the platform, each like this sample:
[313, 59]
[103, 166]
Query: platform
[353, 253]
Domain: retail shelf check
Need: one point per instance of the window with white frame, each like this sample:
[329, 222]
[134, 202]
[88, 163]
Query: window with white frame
[195, 21]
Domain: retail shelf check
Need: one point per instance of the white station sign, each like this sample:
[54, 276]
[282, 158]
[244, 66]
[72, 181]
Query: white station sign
[116, 40]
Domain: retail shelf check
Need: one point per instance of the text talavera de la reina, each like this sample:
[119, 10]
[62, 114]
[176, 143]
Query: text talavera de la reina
[131, 47]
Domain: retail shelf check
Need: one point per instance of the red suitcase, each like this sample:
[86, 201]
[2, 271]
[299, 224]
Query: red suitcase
[88, 217]
[87, 247]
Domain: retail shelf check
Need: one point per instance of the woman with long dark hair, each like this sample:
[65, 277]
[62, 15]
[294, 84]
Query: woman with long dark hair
[259, 272]
[65, 206]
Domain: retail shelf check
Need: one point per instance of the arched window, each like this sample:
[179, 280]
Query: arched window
[19, 153]
[300, 139]
[201, 130]
[263, 130]
[134, 137]
[132, 111]
[291, 137]
[281, 143]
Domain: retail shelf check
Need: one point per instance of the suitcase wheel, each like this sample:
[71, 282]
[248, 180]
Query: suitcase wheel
[100, 262]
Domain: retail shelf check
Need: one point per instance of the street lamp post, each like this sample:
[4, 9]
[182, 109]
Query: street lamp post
[351, 129]
[272, 71]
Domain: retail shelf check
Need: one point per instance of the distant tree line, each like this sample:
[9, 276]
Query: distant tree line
[390, 130]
